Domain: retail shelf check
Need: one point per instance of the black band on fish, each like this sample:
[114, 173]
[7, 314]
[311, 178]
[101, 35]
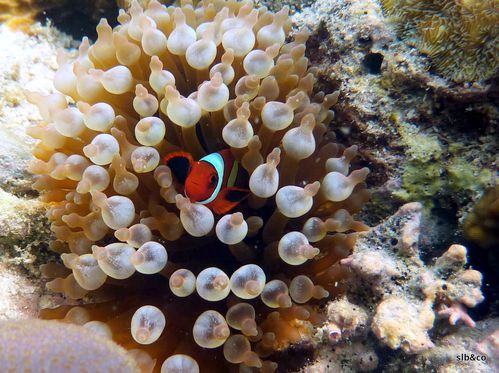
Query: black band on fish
[179, 164]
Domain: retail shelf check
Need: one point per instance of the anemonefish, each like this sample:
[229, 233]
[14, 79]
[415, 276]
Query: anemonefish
[216, 180]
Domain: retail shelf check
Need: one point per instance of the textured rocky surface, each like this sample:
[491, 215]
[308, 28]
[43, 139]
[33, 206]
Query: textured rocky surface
[397, 299]
[460, 36]
[430, 140]
[28, 61]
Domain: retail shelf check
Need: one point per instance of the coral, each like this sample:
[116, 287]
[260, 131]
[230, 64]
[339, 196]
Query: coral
[490, 346]
[395, 295]
[398, 101]
[455, 313]
[465, 349]
[24, 228]
[401, 324]
[400, 299]
[460, 36]
[51, 346]
[199, 79]
[344, 320]
[420, 291]
[482, 223]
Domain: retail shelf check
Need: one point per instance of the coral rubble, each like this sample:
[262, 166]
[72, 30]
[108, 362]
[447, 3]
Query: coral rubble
[471, 350]
[198, 79]
[460, 36]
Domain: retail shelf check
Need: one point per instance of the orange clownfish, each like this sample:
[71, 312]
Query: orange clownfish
[216, 180]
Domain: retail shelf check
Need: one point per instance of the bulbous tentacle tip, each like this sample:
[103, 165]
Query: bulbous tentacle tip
[228, 56]
[180, 363]
[99, 198]
[156, 64]
[137, 258]
[236, 219]
[182, 202]
[140, 90]
[309, 251]
[147, 324]
[99, 252]
[216, 80]
[308, 122]
[97, 74]
[244, 111]
[178, 17]
[312, 189]
[142, 335]
[171, 94]
[274, 157]
[284, 301]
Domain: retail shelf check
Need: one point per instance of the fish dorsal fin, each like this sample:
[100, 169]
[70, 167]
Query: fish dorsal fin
[180, 165]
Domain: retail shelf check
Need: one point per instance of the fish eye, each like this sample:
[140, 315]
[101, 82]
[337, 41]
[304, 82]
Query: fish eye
[213, 179]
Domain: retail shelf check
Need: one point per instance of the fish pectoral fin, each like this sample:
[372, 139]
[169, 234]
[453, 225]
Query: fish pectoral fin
[179, 164]
[228, 199]
[236, 194]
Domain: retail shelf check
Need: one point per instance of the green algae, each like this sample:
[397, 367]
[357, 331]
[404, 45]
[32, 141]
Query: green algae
[437, 170]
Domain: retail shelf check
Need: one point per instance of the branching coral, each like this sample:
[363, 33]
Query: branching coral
[461, 37]
[197, 78]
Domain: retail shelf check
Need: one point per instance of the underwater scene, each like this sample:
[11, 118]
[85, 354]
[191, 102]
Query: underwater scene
[223, 186]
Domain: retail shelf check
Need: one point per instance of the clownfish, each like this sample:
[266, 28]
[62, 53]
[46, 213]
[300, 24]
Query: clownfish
[216, 180]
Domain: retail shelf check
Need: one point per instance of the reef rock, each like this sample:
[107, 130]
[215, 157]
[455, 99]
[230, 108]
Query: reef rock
[400, 297]
[24, 230]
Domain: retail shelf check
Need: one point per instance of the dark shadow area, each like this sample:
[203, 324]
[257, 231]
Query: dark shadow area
[372, 63]
[79, 19]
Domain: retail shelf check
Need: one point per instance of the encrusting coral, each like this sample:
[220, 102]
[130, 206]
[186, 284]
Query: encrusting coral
[397, 299]
[443, 289]
[461, 37]
[197, 78]
[396, 295]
